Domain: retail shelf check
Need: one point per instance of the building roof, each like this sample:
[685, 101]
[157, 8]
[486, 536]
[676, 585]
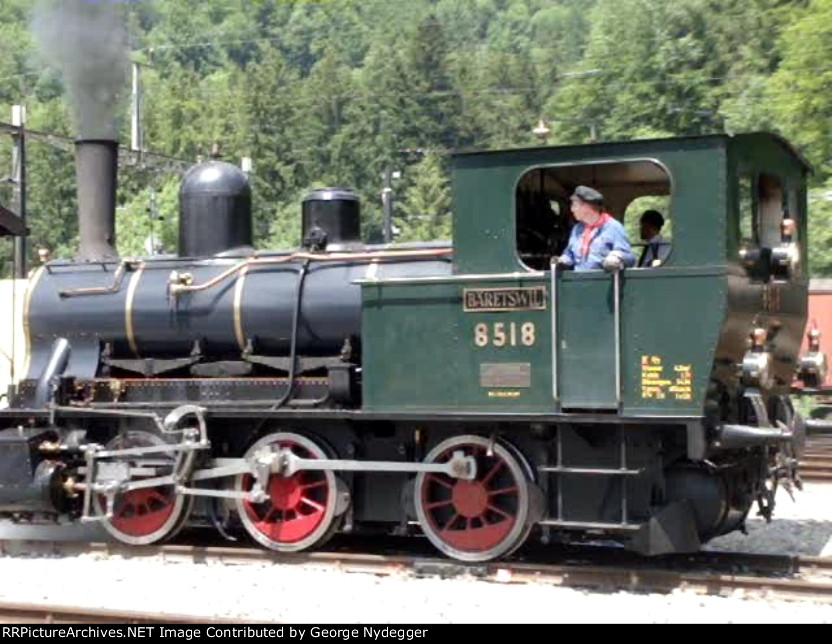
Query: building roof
[11, 224]
[820, 285]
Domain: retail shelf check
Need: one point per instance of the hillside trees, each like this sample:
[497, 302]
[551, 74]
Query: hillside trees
[337, 93]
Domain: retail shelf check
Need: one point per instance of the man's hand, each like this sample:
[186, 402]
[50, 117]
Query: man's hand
[613, 262]
[563, 262]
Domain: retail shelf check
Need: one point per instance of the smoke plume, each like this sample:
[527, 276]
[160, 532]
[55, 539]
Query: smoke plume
[85, 40]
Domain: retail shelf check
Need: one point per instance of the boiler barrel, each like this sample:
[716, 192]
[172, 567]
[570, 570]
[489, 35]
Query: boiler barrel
[255, 306]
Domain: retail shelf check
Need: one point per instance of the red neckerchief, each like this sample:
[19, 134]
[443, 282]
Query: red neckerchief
[586, 239]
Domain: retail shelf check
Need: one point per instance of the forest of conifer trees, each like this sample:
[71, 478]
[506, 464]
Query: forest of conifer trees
[334, 92]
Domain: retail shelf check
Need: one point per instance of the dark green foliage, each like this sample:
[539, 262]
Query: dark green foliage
[334, 93]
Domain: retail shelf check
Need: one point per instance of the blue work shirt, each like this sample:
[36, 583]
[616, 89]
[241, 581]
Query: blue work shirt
[607, 237]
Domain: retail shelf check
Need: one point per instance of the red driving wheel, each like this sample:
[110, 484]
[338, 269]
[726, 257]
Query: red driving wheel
[479, 519]
[300, 509]
[145, 515]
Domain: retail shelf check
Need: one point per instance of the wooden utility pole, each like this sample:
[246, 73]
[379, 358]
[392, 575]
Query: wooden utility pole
[19, 186]
[387, 202]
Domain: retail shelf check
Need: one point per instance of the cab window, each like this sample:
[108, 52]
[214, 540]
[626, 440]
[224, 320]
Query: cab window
[746, 209]
[764, 200]
[638, 234]
[771, 208]
[543, 216]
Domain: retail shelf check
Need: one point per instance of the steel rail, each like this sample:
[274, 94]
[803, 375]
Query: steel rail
[815, 464]
[770, 576]
[29, 613]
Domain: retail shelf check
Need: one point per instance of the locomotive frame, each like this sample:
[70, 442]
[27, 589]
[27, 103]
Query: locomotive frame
[469, 392]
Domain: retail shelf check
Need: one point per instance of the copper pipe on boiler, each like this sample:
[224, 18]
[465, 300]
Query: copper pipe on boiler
[100, 290]
[180, 283]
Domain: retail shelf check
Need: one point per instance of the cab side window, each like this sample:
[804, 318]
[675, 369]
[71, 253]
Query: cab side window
[745, 206]
[771, 200]
[764, 202]
[543, 215]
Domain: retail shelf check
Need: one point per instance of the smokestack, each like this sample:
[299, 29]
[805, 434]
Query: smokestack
[86, 40]
[96, 165]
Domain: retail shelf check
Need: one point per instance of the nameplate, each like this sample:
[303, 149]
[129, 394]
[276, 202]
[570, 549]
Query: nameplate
[532, 298]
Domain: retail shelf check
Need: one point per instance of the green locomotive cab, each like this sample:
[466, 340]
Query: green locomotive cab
[642, 382]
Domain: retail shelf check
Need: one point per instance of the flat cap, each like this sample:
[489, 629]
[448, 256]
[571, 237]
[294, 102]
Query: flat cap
[590, 195]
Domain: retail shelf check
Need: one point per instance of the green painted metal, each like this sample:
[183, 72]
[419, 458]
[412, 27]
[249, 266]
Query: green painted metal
[423, 353]
[586, 342]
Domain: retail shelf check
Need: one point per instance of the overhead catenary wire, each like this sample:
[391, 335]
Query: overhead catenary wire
[66, 143]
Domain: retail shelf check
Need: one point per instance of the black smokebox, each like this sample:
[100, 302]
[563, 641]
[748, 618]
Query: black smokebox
[96, 166]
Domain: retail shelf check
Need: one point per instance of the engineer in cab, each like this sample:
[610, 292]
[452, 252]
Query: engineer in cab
[598, 240]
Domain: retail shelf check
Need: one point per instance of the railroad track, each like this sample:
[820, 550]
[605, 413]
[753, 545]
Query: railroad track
[20, 613]
[816, 463]
[598, 569]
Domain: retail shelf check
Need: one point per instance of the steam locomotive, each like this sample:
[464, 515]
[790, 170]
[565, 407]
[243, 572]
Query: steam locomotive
[469, 392]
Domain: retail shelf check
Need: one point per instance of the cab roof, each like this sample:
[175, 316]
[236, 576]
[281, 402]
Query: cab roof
[636, 144]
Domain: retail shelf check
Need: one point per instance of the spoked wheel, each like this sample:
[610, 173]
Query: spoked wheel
[301, 511]
[784, 411]
[480, 519]
[146, 515]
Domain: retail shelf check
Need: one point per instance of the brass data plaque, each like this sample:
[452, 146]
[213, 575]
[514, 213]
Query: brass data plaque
[507, 374]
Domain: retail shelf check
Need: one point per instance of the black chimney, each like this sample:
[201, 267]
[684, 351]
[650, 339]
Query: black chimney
[96, 165]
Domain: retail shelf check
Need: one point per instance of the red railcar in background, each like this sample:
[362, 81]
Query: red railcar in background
[820, 318]
[817, 345]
